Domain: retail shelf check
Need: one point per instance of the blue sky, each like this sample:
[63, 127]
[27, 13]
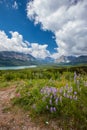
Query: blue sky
[16, 20]
[44, 28]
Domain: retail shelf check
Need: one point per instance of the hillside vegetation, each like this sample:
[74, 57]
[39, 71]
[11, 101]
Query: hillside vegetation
[51, 93]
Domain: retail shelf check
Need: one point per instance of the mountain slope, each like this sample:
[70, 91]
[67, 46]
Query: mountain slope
[71, 60]
[16, 59]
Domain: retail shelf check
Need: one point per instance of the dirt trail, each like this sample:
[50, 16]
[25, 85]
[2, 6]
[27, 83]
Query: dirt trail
[16, 120]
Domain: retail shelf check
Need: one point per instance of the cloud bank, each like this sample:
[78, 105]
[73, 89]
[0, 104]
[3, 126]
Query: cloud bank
[67, 19]
[17, 44]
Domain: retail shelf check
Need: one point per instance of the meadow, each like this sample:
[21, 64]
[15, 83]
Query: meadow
[51, 93]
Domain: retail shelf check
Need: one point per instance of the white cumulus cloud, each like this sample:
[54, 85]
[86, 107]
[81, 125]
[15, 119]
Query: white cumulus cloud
[15, 5]
[67, 19]
[17, 44]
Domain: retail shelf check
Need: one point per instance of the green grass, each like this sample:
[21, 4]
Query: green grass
[52, 93]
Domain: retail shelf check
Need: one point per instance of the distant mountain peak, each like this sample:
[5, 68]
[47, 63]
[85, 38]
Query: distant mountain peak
[71, 59]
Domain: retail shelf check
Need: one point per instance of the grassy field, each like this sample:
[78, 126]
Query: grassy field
[51, 93]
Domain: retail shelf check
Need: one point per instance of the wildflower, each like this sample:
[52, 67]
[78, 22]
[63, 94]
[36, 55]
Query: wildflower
[18, 95]
[61, 90]
[70, 96]
[65, 94]
[56, 101]
[50, 101]
[66, 87]
[54, 109]
[47, 122]
[75, 92]
[71, 89]
[51, 109]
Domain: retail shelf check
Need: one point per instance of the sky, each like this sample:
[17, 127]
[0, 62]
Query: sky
[44, 28]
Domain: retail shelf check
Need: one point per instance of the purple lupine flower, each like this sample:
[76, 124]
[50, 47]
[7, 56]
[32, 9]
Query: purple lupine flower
[41, 91]
[48, 90]
[70, 96]
[55, 91]
[66, 87]
[56, 101]
[61, 90]
[50, 101]
[54, 109]
[71, 89]
[75, 93]
[51, 89]
[51, 109]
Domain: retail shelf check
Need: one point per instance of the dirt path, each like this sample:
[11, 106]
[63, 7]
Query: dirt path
[11, 119]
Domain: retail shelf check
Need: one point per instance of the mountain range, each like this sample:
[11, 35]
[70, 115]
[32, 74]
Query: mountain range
[9, 58]
[72, 60]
